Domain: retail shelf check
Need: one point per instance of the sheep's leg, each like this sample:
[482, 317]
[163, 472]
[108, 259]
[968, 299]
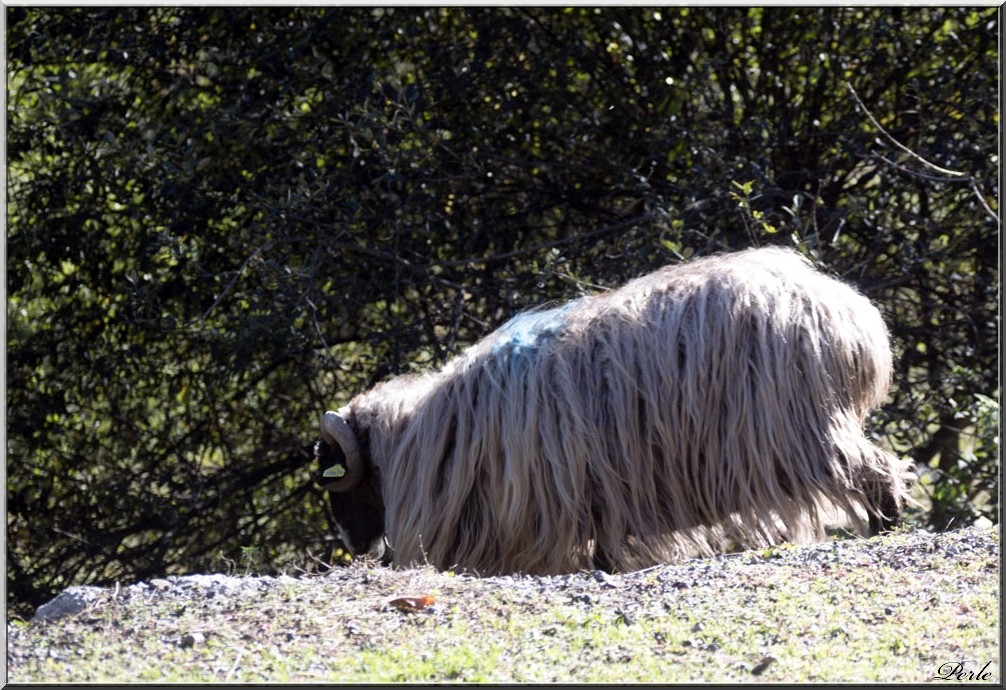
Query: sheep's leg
[602, 562]
[886, 513]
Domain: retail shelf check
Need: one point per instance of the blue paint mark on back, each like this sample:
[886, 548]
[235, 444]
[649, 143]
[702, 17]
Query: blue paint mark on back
[525, 333]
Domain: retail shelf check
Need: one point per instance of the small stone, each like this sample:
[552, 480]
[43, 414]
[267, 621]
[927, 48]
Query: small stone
[71, 601]
[604, 578]
[762, 665]
[191, 639]
[353, 628]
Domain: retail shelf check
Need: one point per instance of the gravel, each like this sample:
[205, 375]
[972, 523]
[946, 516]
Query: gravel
[912, 551]
[870, 579]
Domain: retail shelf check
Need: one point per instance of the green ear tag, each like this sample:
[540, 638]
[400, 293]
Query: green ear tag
[334, 472]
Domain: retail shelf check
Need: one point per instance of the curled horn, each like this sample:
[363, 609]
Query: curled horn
[336, 432]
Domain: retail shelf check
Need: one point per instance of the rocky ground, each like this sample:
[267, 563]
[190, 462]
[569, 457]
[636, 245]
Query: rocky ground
[904, 607]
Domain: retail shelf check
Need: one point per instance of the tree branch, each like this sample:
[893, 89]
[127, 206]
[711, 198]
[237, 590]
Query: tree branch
[890, 137]
[953, 174]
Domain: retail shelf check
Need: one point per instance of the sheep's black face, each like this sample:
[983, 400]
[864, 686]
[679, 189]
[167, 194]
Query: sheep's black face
[358, 512]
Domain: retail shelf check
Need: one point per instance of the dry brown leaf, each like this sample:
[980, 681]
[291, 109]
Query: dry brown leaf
[412, 603]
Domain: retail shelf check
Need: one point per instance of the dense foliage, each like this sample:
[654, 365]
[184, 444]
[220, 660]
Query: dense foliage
[222, 221]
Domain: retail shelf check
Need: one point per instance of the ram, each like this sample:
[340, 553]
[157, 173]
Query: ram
[714, 403]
